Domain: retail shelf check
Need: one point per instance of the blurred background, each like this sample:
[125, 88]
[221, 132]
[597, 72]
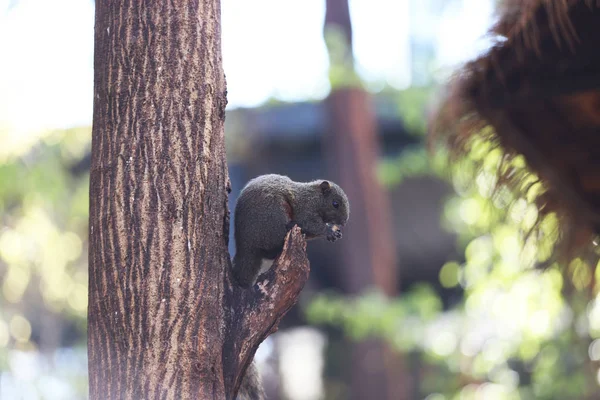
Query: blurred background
[432, 294]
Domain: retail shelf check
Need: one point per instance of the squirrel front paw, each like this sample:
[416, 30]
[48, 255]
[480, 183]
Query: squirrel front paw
[334, 233]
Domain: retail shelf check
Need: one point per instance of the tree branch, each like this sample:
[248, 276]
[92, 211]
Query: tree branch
[256, 312]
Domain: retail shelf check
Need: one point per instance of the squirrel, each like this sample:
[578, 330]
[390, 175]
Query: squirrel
[270, 205]
[266, 209]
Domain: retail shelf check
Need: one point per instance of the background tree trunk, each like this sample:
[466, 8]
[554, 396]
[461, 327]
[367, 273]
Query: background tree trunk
[164, 320]
[367, 252]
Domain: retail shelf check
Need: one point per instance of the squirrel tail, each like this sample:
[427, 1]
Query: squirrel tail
[246, 266]
[251, 388]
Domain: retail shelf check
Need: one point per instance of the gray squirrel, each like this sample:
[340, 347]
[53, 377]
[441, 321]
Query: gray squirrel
[267, 208]
[270, 205]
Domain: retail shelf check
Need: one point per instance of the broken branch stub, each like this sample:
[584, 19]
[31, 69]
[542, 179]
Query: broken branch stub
[258, 310]
[277, 290]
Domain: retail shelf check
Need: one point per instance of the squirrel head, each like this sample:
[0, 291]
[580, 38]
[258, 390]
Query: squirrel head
[335, 207]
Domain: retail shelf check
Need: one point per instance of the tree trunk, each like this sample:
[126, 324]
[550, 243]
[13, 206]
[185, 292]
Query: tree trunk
[164, 319]
[367, 252]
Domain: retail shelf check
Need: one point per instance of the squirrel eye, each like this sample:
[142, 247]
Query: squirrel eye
[335, 204]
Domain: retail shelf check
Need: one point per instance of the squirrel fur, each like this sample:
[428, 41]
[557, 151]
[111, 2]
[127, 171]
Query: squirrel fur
[251, 387]
[267, 208]
[270, 205]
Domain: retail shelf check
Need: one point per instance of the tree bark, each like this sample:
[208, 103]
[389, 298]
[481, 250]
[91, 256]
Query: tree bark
[367, 251]
[164, 319]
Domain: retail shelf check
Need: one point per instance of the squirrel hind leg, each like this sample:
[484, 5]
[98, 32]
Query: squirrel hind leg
[246, 265]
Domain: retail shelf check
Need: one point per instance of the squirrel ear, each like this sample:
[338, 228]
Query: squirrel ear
[325, 186]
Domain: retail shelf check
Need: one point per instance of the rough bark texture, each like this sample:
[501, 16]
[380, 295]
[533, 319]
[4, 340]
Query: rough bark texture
[367, 251]
[164, 319]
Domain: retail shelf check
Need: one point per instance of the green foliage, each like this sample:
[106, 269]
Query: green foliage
[411, 162]
[521, 332]
[43, 240]
[412, 106]
[375, 315]
[341, 63]
[44, 223]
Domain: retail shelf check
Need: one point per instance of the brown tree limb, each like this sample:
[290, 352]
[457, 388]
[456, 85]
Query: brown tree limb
[257, 311]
